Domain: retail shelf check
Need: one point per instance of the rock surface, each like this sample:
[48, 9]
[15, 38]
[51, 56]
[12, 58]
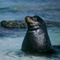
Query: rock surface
[13, 24]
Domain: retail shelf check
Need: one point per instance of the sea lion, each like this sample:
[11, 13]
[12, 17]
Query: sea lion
[36, 38]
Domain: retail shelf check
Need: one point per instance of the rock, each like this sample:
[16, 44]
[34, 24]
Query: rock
[13, 24]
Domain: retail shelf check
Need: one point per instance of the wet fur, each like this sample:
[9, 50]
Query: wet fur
[36, 38]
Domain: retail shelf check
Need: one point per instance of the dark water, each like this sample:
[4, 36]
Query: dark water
[11, 39]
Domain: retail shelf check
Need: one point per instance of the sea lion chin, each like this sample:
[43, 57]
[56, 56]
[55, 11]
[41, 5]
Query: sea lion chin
[36, 38]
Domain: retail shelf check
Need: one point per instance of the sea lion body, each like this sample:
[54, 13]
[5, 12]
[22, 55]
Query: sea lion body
[36, 38]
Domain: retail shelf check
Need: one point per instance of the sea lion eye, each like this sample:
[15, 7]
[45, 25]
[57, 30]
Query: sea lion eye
[34, 19]
[31, 18]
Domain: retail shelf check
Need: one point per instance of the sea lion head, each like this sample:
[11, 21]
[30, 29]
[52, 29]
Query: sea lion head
[34, 22]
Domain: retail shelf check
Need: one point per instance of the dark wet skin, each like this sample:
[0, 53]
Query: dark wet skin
[36, 38]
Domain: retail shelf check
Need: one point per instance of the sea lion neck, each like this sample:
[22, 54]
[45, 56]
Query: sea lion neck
[33, 27]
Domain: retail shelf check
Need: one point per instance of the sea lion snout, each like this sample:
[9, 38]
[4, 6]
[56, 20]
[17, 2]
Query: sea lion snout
[29, 21]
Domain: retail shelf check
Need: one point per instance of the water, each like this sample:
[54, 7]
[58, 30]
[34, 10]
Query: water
[11, 39]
